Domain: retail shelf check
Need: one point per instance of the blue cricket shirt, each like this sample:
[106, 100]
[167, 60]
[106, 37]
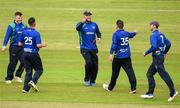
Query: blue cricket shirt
[87, 35]
[159, 42]
[30, 38]
[13, 32]
[120, 45]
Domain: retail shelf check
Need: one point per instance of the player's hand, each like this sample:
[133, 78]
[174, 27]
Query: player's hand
[41, 45]
[158, 52]
[99, 40]
[111, 57]
[144, 54]
[3, 48]
[20, 44]
[84, 20]
[44, 45]
[136, 31]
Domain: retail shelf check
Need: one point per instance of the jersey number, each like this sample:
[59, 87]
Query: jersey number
[28, 40]
[162, 38]
[124, 41]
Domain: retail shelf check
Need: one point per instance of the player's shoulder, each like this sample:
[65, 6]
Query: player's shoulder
[31, 30]
[125, 32]
[36, 32]
[154, 34]
[116, 33]
[12, 25]
[158, 34]
[25, 31]
[24, 24]
[94, 23]
[79, 22]
[121, 31]
[161, 34]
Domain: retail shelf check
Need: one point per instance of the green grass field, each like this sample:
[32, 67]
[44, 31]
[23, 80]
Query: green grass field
[61, 85]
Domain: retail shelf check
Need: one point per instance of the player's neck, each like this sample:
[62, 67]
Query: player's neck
[16, 22]
[119, 28]
[33, 27]
[155, 29]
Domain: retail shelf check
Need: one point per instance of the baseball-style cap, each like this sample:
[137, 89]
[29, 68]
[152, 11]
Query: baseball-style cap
[87, 13]
[154, 23]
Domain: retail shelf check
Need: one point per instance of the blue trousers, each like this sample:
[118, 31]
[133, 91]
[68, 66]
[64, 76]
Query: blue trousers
[158, 66]
[32, 61]
[15, 55]
[91, 66]
[126, 64]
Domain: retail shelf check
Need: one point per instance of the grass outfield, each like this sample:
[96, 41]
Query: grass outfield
[61, 85]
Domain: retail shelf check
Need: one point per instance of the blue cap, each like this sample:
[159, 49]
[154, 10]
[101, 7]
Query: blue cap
[154, 23]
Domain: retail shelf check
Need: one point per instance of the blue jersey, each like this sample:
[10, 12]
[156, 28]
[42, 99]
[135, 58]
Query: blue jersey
[87, 35]
[158, 43]
[120, 45]
[30, 38]
[13, 32]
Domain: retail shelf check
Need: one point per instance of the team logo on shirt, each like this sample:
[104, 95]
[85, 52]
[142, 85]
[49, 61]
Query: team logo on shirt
[27, 50]
[93, 27]
[89, 33]
[122, 50]
[19, 32]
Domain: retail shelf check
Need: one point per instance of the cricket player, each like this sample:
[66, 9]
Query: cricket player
[31, 41]
[88, 31]
[122, 57]
[14, 30]
[160, 46]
